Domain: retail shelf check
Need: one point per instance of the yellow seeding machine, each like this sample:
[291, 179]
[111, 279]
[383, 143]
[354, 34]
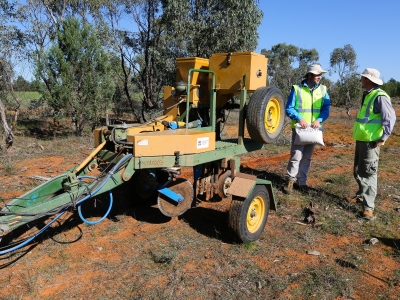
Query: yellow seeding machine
[149, 156]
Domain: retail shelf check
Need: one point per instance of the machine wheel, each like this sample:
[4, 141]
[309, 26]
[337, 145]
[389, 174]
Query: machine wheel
[265, 114]
[169, 207]
[247, 218]
[224, 182]
[145, 185]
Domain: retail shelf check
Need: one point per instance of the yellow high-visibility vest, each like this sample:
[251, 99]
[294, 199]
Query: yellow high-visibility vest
[309, 104]
[368, 125]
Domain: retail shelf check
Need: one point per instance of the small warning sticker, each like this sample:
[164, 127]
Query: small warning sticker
[203, 142]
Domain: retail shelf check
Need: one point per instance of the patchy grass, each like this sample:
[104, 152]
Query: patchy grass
[137, 253]
[326, 282]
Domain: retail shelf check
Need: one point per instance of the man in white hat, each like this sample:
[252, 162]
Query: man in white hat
[308, 105]
[373, 126]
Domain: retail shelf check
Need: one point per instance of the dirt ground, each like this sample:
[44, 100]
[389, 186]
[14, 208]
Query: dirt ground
[120, 257]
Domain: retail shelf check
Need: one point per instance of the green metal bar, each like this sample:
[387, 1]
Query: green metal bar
[268, 185]
[212, 96]
[109, 156]
[28, 203]
[37, 195]
[183, 116]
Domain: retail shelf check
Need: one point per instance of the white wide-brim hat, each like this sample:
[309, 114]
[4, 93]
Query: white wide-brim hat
[315, 69]
[373, 75]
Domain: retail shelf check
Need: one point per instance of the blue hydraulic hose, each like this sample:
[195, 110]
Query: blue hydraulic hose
[98, 221]
[106, 214]
[34, 236]
[109, 174]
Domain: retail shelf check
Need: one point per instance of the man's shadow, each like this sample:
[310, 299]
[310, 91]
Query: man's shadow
[278, 182]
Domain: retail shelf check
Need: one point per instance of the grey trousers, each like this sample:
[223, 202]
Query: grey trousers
[299, 162]
[366, 159]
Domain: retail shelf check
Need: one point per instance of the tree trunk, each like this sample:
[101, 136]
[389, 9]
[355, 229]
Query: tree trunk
[74, 122]
[7, 130]
[14, 123]
[348, 103]
[143, 109]
[107, 118]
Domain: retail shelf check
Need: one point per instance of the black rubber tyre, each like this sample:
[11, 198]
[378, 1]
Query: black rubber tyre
[265, 114]
[224, 181]
[247, 218]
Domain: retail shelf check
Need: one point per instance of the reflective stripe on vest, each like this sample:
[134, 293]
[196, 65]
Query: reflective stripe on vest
[307, 106]
[368, 125]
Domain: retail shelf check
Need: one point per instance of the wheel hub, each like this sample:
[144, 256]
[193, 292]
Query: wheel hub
[272, 116]
[255, 214]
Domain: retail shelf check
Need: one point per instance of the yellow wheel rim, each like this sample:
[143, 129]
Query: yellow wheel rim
[272, 116]
[255, 214]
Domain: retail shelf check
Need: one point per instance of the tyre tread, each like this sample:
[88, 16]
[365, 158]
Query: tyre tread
[255, 114]
[237, 215]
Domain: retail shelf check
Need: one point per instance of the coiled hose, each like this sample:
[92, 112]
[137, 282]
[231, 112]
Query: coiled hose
[96, 188]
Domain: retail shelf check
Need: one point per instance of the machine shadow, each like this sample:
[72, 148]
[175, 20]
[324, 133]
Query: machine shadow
[393, 243]
[349, 265]
[210, 223]
[13, 257]
[93, 209]
[278, 182]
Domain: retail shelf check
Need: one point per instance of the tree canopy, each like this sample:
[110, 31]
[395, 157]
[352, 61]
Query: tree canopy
[76, 73]
[348, 89]
[392, 87]
[287, 65]
[10, 42]
[88, 53]
[203, 27]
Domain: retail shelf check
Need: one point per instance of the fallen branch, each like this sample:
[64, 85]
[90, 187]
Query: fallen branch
[301, 223]
[396, 197]
[309, 224]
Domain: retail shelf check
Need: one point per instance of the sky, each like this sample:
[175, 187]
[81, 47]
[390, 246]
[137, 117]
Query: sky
[371, 27]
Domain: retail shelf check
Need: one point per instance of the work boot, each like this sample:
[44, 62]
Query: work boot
[303, 188]
[368, 215]
[355, 199]
[289, 187]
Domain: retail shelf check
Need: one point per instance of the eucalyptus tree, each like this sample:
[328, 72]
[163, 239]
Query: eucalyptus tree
[133, 33]
[200, 28]
[21, 84]
[152, 35]
[203, 27]
[76, 72]
[392, 87]
[162, 30]
[41, 19]
[4, 82]
[287, 64]
[11, 42]
[146, 43]
[343, 62]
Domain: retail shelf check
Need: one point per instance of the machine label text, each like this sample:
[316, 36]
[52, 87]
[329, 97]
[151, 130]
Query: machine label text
[203, 142]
